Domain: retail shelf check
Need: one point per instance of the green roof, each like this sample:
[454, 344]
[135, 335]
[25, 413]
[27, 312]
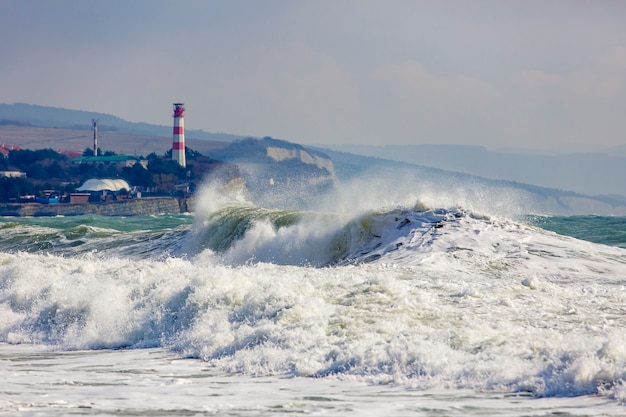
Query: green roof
[115, 158]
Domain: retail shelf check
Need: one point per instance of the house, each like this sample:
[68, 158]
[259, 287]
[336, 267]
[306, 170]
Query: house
[12, 174]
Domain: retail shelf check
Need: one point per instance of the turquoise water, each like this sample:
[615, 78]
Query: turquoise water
[121, 224]
[402, 311]
[598, 229]
[76, 235]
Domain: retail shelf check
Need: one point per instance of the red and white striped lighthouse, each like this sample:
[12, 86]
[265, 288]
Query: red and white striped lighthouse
[178, 144]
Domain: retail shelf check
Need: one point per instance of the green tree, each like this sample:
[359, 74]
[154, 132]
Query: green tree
[138, 175]
[54, 170]
[36, 171]
[24, 158]
[13, 188]
[190, 154]
[166, 166]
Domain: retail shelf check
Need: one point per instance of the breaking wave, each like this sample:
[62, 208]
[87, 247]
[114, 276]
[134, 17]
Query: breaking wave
[401, 294]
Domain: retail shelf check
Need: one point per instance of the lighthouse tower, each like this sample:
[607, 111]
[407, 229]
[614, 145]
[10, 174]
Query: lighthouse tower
[178, 145]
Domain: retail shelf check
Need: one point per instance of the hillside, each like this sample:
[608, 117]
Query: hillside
[123, 143]
[44, 116]
[280, 173]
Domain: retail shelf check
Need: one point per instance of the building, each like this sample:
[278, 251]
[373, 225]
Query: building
[120, 160]
[101, 189]
[178, 142]
[12, 174]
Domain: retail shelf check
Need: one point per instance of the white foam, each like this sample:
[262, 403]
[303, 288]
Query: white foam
[480, 304]
[38, 381]
[447, 300]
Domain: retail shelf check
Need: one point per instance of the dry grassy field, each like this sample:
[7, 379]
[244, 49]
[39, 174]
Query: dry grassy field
[27, 137]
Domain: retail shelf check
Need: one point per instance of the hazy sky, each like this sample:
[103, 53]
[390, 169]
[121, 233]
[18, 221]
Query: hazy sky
[547, 75]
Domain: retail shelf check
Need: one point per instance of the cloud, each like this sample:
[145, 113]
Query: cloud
[435, 106]
[613, 59]
[537, 79]
[601, 81]
[413, 80]
[575, 109]
[288, 90]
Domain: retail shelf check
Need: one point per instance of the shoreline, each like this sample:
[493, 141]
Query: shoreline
[146, 206]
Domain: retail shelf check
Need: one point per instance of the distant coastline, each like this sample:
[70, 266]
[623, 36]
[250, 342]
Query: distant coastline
[131, 207]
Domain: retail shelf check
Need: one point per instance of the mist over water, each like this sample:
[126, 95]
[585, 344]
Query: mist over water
[381, 190]
[397, 282]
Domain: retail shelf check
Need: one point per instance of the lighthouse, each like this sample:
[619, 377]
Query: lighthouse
[178, 144]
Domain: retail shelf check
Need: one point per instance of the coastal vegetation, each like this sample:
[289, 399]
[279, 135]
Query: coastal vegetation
[43, 172]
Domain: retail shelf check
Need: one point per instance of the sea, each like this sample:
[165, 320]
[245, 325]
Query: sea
[363, 304]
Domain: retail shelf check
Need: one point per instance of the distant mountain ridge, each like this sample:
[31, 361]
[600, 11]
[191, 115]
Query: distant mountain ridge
[43, 116]
[601, 173]
[472, 191]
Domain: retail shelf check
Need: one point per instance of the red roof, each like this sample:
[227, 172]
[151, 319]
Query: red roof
[70, 153]
[5, 149]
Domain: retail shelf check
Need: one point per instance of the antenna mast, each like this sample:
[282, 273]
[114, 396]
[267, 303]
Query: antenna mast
[94, 127]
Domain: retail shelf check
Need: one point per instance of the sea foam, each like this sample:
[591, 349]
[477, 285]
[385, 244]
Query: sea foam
[421, 298]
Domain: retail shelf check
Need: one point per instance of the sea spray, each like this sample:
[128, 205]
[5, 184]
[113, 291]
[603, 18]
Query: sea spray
[396, 289]
[376, 323]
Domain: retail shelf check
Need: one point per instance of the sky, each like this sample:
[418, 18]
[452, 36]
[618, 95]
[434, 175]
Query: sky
[534, 75]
